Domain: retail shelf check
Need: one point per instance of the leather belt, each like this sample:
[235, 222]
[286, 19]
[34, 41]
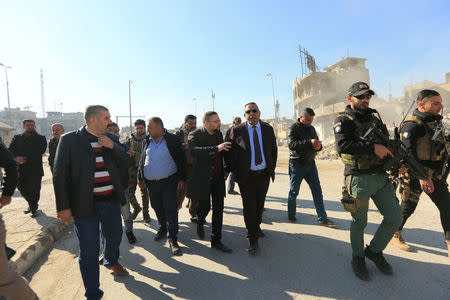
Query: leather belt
[162, 179]
[258, 172]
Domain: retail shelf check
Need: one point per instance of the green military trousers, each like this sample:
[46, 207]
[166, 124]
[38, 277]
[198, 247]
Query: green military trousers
[381, 189]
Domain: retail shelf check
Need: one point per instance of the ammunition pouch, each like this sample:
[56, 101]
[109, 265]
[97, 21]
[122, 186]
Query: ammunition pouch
[407, 192]
[361, 161]
[350, 202]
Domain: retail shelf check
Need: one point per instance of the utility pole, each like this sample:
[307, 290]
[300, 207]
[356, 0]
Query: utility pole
[42, 93]
[129, 101]
[273, 94]
[7, 91]
[213, 96]
[195, 106]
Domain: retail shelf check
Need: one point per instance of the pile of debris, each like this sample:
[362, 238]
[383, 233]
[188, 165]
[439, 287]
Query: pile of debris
[328, 152]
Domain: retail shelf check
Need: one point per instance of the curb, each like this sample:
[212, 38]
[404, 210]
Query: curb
[35, 247]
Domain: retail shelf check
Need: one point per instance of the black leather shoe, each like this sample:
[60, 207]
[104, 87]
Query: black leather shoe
[27, 211]
[253, 247]
[160, 234]
[200, 231]
[379, 261]
[359, 268]
[34, 213]
[174, 247]
[219, 246]
[131, 238]
[194, 220]
[292, 218]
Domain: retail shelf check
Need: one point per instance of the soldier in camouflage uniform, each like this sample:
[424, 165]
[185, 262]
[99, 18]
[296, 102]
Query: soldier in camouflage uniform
[417, 132]
[135, 146]
[190, 124]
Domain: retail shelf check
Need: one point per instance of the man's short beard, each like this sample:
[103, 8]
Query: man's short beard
[360, 109]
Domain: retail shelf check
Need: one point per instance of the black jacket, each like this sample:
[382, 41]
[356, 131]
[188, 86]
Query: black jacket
[32, 146]
[175, 150]
[9, 164]
[299, 143]
[73, 172]
[238, 160]
[347, 141]
[52, 145]
[203, 154]
[124, 176]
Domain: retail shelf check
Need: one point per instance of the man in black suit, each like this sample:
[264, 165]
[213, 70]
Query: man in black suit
[206, 148]
[28, 149]
[252, 159]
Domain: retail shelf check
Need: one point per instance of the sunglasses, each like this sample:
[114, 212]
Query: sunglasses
[361, 97]
[251, 111]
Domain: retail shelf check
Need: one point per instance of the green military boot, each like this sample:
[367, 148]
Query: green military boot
[398, 241]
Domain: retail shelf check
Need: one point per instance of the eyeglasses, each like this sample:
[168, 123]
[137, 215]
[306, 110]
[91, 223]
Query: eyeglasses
[251, 111]
[361, 97]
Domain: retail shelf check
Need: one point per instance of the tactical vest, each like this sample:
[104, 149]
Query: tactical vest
[136, 147]
[361, 161]
[426, 148]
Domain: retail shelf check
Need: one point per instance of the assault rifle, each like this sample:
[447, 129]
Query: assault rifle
[400, 152]
[439, 136]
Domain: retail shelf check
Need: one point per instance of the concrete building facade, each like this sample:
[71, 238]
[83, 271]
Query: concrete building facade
[326, 92]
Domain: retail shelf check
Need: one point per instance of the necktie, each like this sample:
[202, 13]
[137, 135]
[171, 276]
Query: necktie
[258, 156]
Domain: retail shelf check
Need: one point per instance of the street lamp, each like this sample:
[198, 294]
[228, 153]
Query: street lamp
[129, 102]
[273, 94]
[195, 105]
[7, 90]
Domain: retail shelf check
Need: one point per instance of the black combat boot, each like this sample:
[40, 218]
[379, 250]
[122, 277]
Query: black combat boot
[379, 261]
[359, 268]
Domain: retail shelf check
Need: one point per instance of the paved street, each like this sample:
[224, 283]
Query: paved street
[301, 260]
[21, 228]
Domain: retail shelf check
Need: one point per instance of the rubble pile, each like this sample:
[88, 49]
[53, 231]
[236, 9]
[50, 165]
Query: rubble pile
[328, 152]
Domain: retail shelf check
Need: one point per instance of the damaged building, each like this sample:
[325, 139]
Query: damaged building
[326, 92]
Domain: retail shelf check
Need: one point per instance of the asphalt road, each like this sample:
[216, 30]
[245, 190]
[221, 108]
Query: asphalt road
[296, 260]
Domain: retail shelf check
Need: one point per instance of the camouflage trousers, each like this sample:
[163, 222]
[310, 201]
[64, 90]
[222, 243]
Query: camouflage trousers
[411, 191]
[132, 184]
[181, 194]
